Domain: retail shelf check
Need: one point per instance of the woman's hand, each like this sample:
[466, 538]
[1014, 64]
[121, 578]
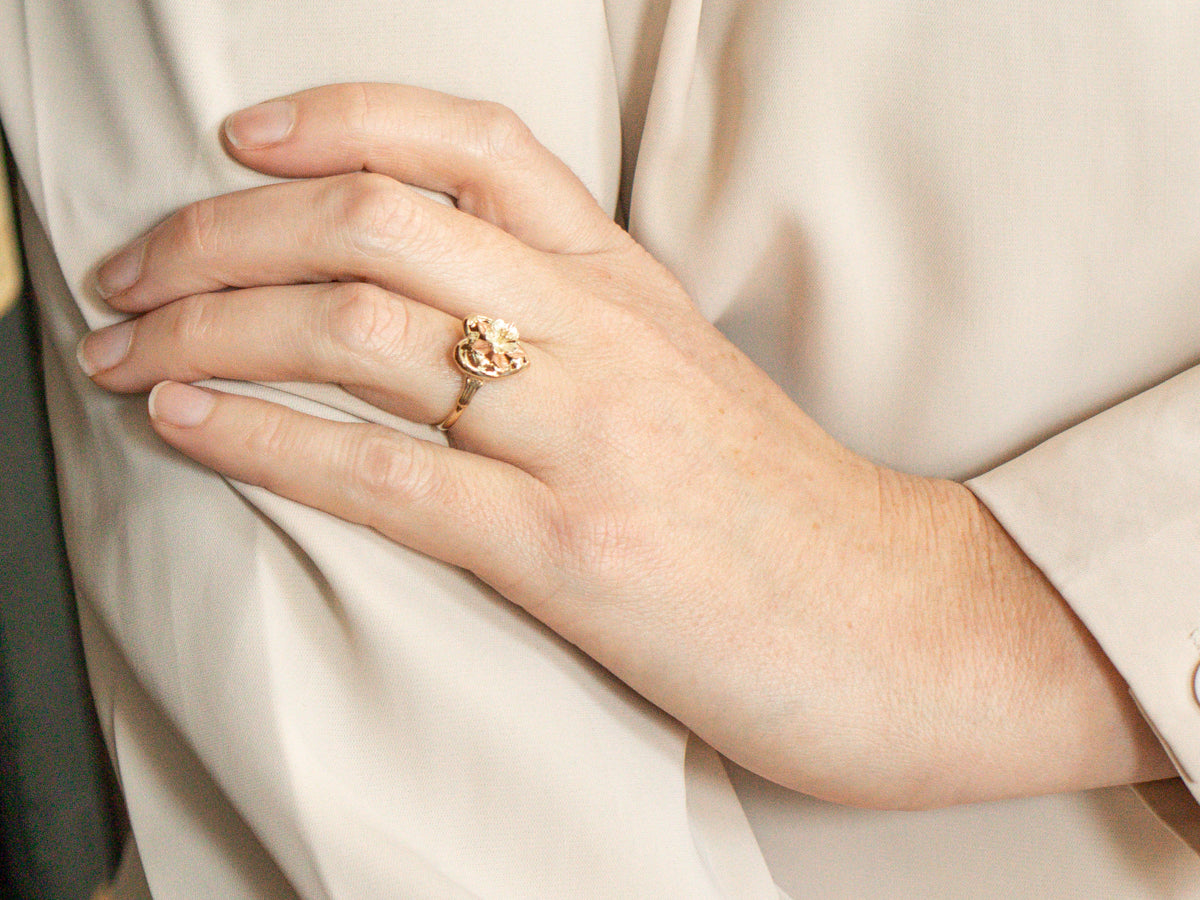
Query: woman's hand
[641, 487]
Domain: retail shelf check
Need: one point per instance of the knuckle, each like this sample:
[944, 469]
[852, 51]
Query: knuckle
[356, 107]
[623, 327]
[624, 322]
[366, 110]
[196, 321]
[595, 543]
[378, 215]
[499, 133]
[199, 225]
[387, 469]
[267, 441]
[365, 320]
[535, 575]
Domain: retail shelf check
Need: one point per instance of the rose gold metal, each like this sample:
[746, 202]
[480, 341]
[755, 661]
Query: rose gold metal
[490, 349]
[470, 386]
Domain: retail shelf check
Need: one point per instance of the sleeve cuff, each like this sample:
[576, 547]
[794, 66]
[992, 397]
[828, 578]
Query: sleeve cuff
[1109, 510]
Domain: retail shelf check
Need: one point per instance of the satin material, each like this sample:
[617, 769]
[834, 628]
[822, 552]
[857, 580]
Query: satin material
[949, 232]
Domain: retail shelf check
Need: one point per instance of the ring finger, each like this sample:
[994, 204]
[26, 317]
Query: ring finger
[390, 350]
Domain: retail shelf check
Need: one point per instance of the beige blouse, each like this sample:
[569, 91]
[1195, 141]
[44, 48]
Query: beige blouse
[965, 238]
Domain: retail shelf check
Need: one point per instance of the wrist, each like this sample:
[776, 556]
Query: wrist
[1017, 696]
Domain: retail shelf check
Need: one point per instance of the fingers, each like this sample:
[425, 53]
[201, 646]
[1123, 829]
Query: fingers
[468, 510]
[480, 153]
[392, 351]
[349, 228]
[354, 334]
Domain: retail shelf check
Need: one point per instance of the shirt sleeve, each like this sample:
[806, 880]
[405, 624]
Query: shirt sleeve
[1109, 510]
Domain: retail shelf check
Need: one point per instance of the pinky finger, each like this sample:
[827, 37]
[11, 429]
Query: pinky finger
[467, 510]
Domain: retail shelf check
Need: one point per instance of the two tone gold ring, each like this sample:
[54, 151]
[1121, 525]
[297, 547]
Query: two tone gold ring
[490, 349]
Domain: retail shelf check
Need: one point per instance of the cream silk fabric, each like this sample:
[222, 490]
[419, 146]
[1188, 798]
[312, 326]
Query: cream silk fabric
[965, 237]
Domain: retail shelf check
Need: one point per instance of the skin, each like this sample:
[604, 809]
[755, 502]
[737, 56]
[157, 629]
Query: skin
[849, 631]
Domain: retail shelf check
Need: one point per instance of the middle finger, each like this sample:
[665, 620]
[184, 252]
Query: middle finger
[358, 227]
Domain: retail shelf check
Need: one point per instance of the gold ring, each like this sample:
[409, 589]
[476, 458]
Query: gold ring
[490, 349]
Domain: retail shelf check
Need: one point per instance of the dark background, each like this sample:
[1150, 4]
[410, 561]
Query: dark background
[57, 804]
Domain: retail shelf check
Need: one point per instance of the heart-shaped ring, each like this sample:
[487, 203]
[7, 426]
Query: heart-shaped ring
[490, 349]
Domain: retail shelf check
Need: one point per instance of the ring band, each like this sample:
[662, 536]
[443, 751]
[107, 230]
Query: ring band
[489, 349]
[470, 385]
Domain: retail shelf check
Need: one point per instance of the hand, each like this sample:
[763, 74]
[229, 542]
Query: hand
[641, 487]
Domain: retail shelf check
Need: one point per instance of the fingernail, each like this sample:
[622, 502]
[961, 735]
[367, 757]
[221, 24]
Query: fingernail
[180, 405]
[105, 348]
[262, 125]
[121, 271]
